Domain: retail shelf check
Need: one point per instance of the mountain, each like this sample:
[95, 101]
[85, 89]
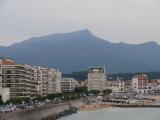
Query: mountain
[77, 50]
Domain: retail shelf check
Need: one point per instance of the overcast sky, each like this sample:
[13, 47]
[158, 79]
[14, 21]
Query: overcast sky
[131, 21]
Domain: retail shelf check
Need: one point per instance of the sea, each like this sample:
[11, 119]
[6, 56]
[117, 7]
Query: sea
[117, 114]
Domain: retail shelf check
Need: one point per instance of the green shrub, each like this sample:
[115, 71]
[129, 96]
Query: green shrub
[17, 100]
[1, 102]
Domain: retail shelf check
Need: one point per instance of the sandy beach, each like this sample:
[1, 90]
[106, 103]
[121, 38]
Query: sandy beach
[93, 107]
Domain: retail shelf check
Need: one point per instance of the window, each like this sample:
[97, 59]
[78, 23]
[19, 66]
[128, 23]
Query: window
[8, 72]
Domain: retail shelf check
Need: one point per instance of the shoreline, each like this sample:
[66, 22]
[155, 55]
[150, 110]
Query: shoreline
[83, 106]
[94, 107]
[137, 106]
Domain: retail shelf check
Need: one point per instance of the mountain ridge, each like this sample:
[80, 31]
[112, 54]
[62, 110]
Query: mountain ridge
[77, 50]
[85, 31]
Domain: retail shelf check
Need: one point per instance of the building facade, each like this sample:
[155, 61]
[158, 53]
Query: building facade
[48, 81]
[54, 81]
[68, 84]
[18, 78]
[42, 80]
[4, 92]
[116, 86]
[97, 78]
[21, 80]
[139, 83]
[128, 86]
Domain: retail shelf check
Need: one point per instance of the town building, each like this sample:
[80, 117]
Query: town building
[139, 83]
[153, 86]
[42, 80]
[68, 84]
[158, 86]
[116, 86]
[48, 81]
[128, 88]
[54, 81]
[18, 78]
[4, 92]
[22, 80]
[97, 78]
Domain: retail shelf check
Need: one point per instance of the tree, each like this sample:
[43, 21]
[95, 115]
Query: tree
[1, 102]
[95, 92]
[17, 100]
[107, 91]
[53, 96]
[81, 90]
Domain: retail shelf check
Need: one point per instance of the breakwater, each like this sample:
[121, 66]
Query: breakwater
[70, 111]
[39, 113]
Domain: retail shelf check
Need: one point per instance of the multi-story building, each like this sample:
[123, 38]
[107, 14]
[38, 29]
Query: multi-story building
[48, 81]
[4, 92]
[115, 86]
[19, 80]
[152, 86]
[97, 78]
[42, 81]
[68, 84]
[33, 80]
[139, 83]
[54, 81]
[128, 86]
[158, 86]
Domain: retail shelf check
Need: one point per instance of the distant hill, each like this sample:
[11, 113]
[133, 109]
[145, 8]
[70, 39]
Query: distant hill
[77, 50]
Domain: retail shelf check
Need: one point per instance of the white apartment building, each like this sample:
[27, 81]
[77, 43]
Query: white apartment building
[128, 86]
[54, 81]
[116, 86]
[68, 84]
[17, 80]
[42, 80]
[97, 78]
[139, 83]
[48, 81]
[4, 92]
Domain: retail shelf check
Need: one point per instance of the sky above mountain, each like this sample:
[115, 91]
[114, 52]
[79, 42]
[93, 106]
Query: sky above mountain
[131, 21]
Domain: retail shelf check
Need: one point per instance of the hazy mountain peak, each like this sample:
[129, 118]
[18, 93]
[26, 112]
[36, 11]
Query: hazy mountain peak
[80, 49]
[151, 43]
[83, 32]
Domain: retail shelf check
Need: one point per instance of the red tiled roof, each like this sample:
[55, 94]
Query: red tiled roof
[8, 62]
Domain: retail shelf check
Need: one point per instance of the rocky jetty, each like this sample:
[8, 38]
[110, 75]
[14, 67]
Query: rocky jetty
[70, 111]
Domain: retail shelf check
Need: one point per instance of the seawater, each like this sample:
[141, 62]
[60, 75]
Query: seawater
[117, 114]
